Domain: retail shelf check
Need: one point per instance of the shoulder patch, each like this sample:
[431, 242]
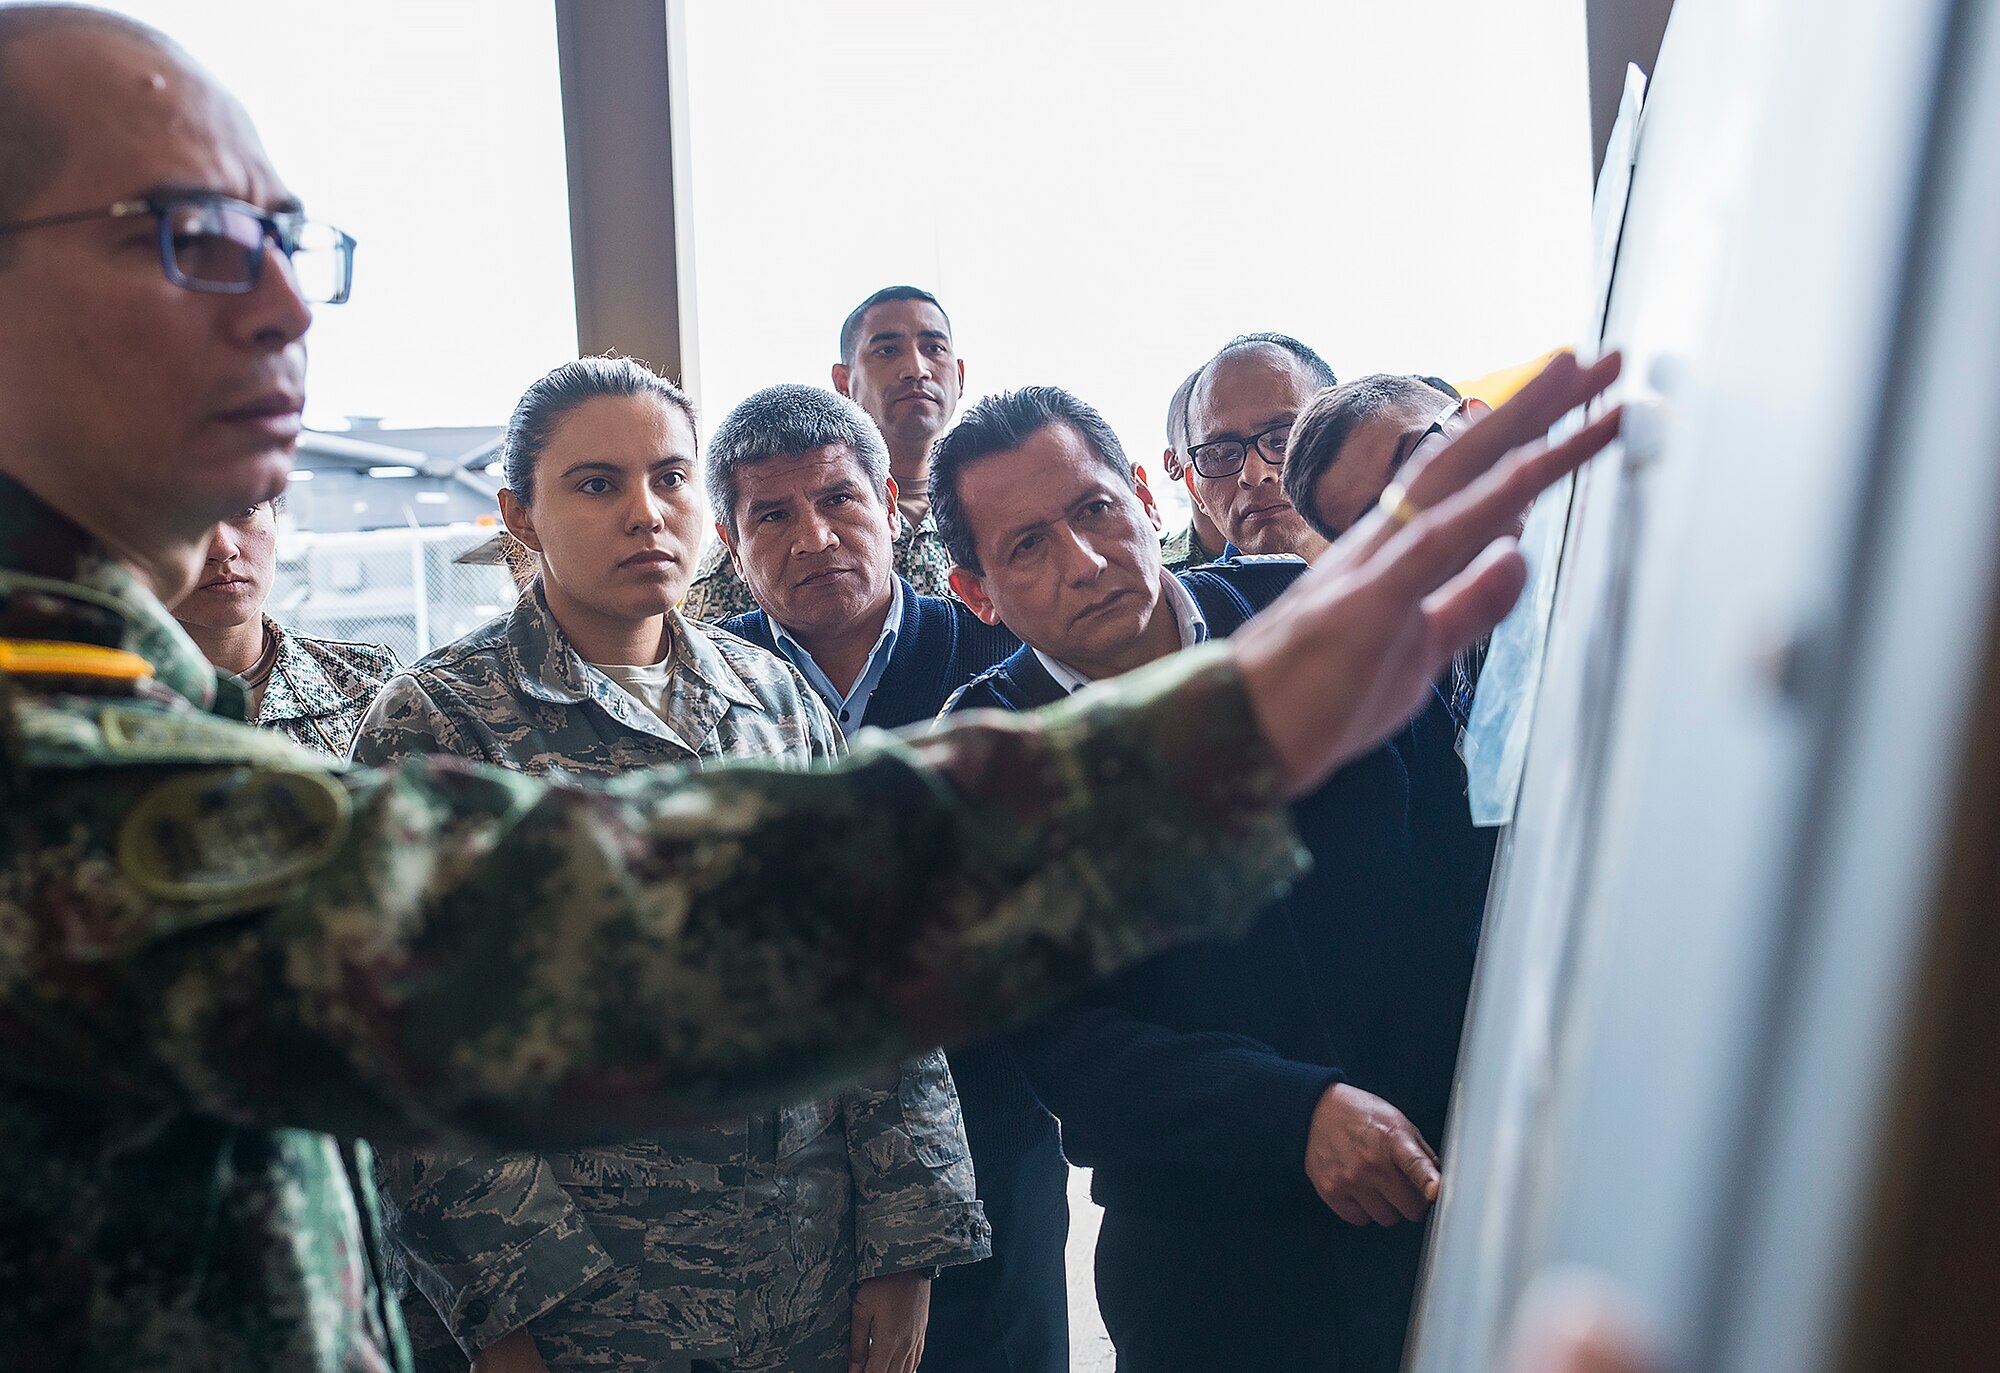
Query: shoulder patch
[231, 835]
[87, 662]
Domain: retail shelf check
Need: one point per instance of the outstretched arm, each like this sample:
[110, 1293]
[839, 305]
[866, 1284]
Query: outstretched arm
[440, 949]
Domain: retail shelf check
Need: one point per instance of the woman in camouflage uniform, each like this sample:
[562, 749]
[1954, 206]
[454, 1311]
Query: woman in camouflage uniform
[312, 691]
[773, 1242]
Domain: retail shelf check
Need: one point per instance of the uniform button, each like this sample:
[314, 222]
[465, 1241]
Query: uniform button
[476, 1311]
[843, 717]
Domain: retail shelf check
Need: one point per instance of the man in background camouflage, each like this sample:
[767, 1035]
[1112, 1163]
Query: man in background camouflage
[740, 1241]
[218, 956]
[312, 691]
[897, 362]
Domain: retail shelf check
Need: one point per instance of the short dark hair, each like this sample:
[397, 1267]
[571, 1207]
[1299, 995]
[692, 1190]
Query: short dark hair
[543, 405]
[32, 143]
[850, 328]
[999, 424]
[782, 421]
[1324, 427]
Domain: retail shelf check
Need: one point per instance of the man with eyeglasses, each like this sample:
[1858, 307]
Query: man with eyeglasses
[224, 961]
[1240, 415]
[1349, 444]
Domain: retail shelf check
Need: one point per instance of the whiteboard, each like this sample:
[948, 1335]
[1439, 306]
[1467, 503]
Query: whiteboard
[1697, 966]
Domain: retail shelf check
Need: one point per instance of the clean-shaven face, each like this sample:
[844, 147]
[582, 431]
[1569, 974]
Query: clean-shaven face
[1069, 560]
[905, 372]
[813, 539]
[187, 403]
[616, 513]
[236, 572]
[1247, 393]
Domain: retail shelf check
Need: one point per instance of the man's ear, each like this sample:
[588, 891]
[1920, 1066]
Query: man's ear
[892, 491]
[1475, 407]
[1187, 477]
[1145, 495]
[729, 542]
[969, 587]
[1171, 462]
[514, 514]
[840, 379]
[961, 376]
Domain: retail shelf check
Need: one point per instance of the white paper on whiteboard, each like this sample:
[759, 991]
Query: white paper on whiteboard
[1503, 710]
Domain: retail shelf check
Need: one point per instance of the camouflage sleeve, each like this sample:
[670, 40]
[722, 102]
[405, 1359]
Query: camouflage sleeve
[716, 593]
[492, 1241]
[442, 950]
[915, 1202]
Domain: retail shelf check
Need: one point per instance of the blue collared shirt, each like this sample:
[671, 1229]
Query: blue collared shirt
[848, 710]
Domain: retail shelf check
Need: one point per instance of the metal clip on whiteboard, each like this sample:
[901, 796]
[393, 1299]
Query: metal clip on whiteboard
[1643, 431]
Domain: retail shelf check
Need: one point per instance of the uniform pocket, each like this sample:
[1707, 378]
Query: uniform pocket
[803, 1123]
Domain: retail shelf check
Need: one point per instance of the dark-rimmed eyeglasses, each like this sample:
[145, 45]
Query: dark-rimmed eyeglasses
[1428, 442]
[215, 244]
[1225, 457]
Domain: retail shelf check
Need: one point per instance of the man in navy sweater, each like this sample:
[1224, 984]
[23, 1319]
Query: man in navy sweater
[1233, 1100]
[799, 480]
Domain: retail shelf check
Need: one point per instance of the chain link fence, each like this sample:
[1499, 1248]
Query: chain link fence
[398, 587]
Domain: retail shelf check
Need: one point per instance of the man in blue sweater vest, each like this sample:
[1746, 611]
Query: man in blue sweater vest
[799, 480]
[1235, 1101]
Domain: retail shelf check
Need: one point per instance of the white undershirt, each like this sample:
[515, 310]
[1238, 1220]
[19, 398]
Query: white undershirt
[648, 683]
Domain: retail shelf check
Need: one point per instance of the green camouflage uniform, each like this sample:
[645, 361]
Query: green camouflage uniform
[221, 954]
[724, 1240]
[319, 688]
[1182, 550]
[918, 556]
[316, 694]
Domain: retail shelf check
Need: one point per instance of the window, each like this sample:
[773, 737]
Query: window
[1101, 195]
[433, 134]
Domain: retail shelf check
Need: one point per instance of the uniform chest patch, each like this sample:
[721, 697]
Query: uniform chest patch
[231, 834]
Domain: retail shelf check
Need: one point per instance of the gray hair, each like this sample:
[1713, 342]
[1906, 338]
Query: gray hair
[784, 421]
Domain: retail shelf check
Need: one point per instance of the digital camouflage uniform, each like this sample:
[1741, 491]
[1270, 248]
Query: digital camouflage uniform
[220, 955]
[319, 688]
[731, 1239]
[918, 555]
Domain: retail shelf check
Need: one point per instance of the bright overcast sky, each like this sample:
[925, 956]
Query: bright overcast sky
[1100, 193]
